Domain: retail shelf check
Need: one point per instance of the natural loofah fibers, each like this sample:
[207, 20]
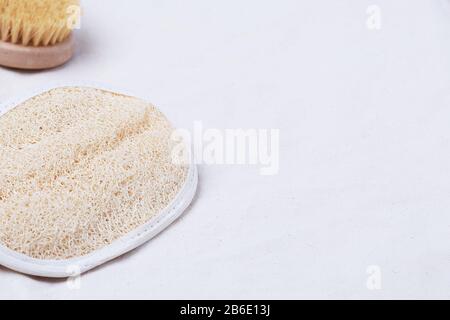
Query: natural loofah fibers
[79, 169]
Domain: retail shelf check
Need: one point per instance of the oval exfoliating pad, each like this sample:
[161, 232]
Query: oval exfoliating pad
[86, 175]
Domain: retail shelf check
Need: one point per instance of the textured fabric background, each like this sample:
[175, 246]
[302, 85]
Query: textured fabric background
[364, 172]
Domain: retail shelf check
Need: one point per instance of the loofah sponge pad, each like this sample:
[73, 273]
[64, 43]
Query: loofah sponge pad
[81, 168]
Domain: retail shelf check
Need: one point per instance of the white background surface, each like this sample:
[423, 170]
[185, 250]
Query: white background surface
[365, 145]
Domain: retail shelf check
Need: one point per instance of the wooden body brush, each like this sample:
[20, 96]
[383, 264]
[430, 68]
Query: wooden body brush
[37, 34]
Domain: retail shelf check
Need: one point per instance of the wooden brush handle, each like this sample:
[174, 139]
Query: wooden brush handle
[36, 58]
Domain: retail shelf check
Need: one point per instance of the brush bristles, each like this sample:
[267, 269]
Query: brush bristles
[35, 22]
